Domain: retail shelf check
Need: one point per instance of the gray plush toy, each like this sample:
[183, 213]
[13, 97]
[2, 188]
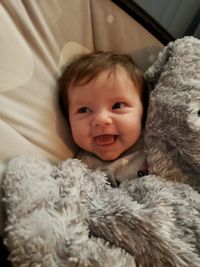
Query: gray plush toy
[173, 125]
[67, 215]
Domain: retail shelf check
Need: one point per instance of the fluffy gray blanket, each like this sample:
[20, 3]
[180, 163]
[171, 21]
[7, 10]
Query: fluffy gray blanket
[68, 215]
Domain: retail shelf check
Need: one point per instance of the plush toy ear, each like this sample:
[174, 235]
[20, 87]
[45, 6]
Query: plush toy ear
[152, 75]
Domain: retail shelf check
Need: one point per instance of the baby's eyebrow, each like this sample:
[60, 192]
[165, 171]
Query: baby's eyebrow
[118, 97]
[79, 104]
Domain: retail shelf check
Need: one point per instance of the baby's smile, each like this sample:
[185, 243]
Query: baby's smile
[105, 139]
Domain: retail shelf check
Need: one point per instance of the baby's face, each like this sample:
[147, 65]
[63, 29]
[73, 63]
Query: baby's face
[105, 114]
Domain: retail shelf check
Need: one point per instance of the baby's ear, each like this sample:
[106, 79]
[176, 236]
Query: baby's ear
[153, 73]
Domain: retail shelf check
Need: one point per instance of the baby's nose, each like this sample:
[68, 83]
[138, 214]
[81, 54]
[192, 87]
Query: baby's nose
[101, 119]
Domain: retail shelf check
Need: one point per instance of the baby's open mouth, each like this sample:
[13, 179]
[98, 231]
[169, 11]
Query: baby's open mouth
[105, 139]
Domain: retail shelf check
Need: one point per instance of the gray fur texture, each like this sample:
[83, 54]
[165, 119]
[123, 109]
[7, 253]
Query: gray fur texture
[68, 215]
[173, 124]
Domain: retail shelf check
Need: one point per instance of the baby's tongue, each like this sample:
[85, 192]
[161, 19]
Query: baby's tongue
[105, 139]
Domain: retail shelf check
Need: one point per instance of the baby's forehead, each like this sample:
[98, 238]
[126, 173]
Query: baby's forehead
[114, 81]
[111, 71]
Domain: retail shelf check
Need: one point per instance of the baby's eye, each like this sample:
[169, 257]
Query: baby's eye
[118, 105]
[83, 110]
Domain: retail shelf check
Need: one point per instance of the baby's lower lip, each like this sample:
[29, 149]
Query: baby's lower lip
[105, 140]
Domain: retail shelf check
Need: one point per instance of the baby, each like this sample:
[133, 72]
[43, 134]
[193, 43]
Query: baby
[104, 98]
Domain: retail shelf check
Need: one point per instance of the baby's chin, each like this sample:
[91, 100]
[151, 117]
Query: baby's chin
[108, 156]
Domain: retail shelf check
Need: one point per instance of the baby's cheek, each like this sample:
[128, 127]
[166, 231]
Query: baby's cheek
[80, 136]
[75, 133]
